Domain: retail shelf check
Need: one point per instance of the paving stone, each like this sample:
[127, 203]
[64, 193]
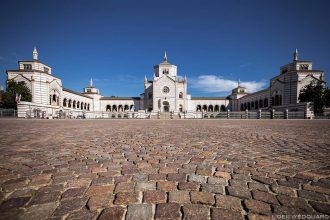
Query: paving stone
[155, 196]
[263, 180]
[213, 188]
[140, 178]
[293, 202]
[14, 203]
[97, 202]
[124, 187]
[195, 212]
[168, 211]
[257, 186]
[20, 193]
[256, 206]
[115, 212]
[43, 197]
[102, 181]
[140, 211]
[321, 207]
[167, 170]
[83, 214]
[228, 202]
[99, 190]
[145, 186]
[261, 163]
[167, 185]
[126, 198]
[204, 172]
[202, 198]
[238, 191]
[73, 192]
[317, 189]
[179, 177]
[284, 190]
[216, 180]
[264, 197]
[190, 186]
[310, 195]
[157, 177]
[68, 206]
[179, 197]
[225, 214]
[224, 175]
[41, 211]
[196, 178]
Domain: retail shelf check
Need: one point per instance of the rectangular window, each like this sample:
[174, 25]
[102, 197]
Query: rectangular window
[27, 66]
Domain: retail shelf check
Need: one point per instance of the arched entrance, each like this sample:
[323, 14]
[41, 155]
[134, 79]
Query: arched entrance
[166, 106]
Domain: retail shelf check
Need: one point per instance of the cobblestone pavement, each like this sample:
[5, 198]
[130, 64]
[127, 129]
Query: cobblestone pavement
[164, 169]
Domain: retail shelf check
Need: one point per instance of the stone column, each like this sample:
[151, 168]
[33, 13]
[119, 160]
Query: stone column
[272, 116]
[246, 114]
[286, 114]
[228, 113]
[259, 114]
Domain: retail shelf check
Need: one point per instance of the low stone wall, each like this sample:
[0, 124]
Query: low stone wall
[33, 110]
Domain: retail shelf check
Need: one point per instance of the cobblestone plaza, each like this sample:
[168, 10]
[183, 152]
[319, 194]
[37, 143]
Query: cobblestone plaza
[164, 169]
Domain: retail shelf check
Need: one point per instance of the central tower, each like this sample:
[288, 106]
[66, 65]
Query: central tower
[165, 93]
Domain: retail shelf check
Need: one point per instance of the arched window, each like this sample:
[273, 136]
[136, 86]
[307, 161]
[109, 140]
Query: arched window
[85, 107]
[70, 103]
[248, 106]
[120, 108]
[180, 95]
[82, 106]
[265, 102]
[198, 108]
[210, 109]
[242, 107]
[108, 108]
[74, 104]
[88, 107]
[78, 104]
[114, 108]
[252, 105]
[180, 108]
[277, 100]
[223, 108]
[64, 102]
[166, 106]
[256, 104]
[205, 108]
[216, 108]
[126, 108]
[131, 107]
[261, 103]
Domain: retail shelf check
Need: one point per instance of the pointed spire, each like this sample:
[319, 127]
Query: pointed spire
[239, 83]
[91, 83]
[145, 78]
[35, 54]
[165, 57]
[185, 77]
[295, 55]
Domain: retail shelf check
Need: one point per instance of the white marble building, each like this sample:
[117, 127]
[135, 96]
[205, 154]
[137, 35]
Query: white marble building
[165, 92]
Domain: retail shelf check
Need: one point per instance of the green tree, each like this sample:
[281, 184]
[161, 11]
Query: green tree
[14, 88]
[317, 93]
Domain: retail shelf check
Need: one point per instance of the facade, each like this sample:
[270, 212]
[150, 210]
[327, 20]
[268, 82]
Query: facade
[165, 92]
